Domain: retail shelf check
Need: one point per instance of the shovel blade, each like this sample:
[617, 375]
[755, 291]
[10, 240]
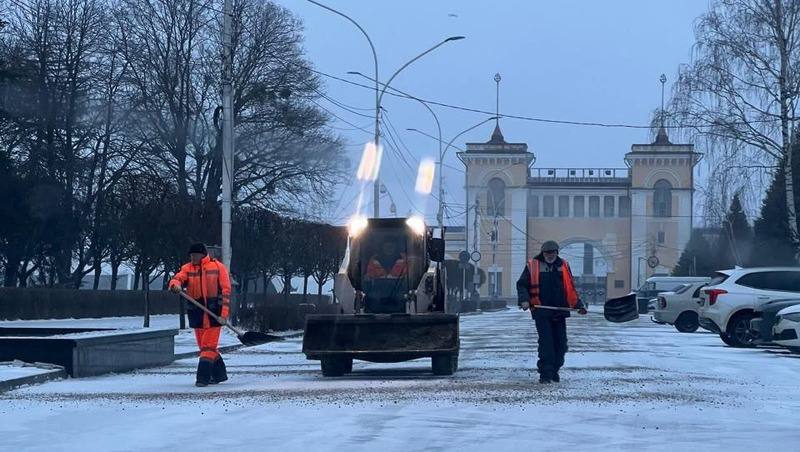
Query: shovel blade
[256, 338]
[622, 309]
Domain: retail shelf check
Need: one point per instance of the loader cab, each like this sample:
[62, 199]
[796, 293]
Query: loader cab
[389, 258]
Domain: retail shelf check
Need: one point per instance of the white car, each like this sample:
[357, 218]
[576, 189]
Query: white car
[786, 331]
[727, 303]
[680, 307]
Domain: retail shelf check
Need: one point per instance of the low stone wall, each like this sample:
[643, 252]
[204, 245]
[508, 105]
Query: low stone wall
[271, 311]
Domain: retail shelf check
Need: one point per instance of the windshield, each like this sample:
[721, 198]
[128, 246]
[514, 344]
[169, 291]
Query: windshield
[682, 288]
[387, 266]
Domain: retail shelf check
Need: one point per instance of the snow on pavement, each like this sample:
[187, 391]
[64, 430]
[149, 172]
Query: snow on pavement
[633, 386]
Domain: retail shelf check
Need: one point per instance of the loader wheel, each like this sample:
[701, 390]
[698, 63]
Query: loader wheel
[335, 366]
[444, 364]
[687, 322]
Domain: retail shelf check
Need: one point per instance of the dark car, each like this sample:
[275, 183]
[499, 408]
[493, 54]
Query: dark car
[761, 325]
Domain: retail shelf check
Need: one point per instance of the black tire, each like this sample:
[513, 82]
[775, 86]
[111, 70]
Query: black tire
[726, 339]
[334, 366]
[795, 350]
[348, 366]
[687, 322]
[444, 364]
[738, 331]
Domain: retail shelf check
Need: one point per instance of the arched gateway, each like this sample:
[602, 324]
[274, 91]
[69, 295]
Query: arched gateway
[616, 226]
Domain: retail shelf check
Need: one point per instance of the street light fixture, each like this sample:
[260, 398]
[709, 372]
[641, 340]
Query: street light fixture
[378, 92]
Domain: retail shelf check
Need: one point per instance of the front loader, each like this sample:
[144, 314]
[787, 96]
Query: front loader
[391, 293]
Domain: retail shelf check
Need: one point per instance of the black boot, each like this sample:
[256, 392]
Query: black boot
[556, 377]
[219, 373]
[545, 379]
[204, 369]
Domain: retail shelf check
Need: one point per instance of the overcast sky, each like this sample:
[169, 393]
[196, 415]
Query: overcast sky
[593, 61]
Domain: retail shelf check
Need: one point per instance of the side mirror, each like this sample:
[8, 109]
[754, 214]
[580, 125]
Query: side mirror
[436, 249]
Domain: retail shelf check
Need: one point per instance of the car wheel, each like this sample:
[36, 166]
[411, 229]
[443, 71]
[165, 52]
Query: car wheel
[739, 331]
[727, 339]
[687, 322]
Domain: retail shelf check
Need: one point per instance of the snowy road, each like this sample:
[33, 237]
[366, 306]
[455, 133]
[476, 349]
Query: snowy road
[635, 386]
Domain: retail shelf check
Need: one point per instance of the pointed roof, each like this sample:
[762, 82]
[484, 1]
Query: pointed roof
[662, 139]
[497, 136]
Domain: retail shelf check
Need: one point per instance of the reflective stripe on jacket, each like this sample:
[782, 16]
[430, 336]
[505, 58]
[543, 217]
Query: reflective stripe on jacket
[534, 269]
[205, 282]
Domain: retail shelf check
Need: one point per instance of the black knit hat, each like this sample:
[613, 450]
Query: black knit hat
[198, 248]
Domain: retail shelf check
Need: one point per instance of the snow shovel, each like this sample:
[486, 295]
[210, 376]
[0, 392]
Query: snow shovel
[622, 309]
[245, 337]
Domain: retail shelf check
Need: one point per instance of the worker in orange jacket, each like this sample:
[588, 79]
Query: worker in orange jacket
[387, 264]
[206, 280]
[547, 282]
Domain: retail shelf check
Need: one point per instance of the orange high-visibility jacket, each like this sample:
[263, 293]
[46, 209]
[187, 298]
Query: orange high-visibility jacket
[376, 270]
[566, 277]
[205, 282]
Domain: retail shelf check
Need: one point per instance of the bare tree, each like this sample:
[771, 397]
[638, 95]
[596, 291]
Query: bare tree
[744, 81]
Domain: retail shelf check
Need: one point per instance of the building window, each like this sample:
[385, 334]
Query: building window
[661, 237]
[662, 199]
[619, 284]
[608, 206]
[549, 206]
[496, 198]
[533, 206]
[594, 206]
[577, 206]
[624, 206]
[563, 206]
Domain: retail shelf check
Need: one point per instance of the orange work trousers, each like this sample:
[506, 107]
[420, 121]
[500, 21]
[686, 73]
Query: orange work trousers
[208, 340]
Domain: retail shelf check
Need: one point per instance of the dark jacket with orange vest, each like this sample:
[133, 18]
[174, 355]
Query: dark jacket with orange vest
[209, 284]
[548, 284]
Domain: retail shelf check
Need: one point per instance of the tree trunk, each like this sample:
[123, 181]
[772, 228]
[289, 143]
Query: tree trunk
[114, 274]
[319, 289]
[791, 213]
[98, 269]
[305, 288]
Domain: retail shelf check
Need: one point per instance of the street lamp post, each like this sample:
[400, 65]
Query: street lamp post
[379, 92]
[442, 153]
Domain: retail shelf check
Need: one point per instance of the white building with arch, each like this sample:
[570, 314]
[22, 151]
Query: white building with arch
[616, 226]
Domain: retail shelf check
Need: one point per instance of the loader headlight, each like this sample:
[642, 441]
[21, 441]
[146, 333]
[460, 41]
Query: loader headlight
[416, 224]
[356, 225]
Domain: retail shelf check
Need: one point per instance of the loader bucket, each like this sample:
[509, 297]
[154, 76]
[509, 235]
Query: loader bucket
[381, 337]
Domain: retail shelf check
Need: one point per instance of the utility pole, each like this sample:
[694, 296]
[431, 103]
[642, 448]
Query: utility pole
[227, 134]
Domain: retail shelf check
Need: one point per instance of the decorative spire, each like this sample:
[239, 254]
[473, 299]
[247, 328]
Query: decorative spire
[497, 135]
[661, 137]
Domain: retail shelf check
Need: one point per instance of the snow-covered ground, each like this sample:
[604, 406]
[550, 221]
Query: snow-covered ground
[634, 386]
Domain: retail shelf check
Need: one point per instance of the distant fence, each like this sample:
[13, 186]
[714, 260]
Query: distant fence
[268, 311]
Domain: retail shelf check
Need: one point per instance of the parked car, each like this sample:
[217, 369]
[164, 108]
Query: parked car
[647, 293]
[761, 327]
[729, 301]
[787, 328]
[679, 307]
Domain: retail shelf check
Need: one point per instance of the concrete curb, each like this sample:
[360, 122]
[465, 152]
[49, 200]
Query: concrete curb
[14, 383]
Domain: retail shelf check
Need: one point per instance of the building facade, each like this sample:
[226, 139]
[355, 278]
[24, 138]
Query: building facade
[616, 226]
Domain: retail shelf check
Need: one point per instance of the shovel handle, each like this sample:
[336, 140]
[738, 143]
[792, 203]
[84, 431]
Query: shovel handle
[554, 308]
[208, 311]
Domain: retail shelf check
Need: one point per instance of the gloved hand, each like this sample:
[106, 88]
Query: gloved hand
[175, 288]
[525, 306]
[222, 321]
